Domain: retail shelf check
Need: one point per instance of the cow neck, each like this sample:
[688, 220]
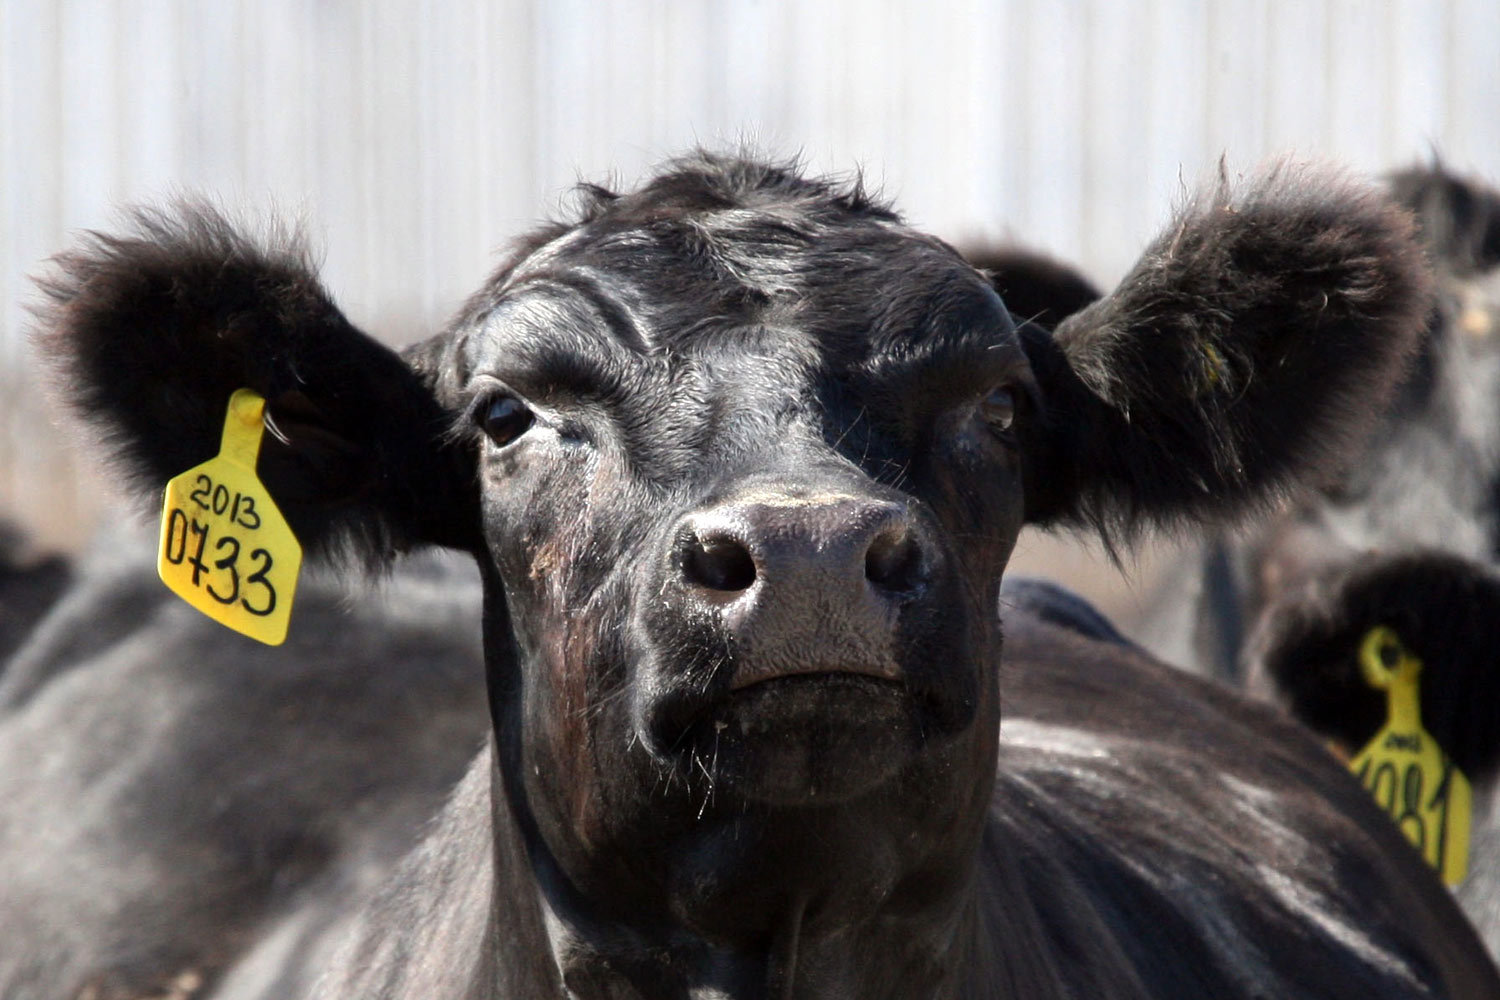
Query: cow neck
[594, 957]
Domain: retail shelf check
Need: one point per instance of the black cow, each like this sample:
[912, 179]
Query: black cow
[741, 459]
[186, 810]
[1304, 655]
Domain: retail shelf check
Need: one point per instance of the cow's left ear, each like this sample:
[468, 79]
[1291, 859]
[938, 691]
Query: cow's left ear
[1246, 351]
[148, 334]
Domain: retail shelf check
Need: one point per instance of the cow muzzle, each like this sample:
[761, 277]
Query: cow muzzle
[800, 630]
[805, 582]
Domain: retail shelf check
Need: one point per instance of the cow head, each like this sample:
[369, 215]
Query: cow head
[742, 459]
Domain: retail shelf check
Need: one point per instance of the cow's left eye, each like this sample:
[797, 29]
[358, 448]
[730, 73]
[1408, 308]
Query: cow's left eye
[505, 419]
[998, 408]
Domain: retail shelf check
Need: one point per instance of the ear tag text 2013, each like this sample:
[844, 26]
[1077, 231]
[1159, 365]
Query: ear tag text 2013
[225, 548]
[1409, 775]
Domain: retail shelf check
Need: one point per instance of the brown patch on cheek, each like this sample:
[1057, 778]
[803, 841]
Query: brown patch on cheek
[562, 566]
[568, 719]
[556, 544]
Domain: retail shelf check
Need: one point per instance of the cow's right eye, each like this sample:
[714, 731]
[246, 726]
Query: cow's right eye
[505, 419]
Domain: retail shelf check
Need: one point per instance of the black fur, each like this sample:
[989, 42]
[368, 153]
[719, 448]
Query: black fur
[741, 460]
[348, 455]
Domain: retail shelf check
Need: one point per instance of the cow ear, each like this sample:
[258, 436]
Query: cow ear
[147, 335]
[1304, 653]
[1034, 287]
[1246, 352]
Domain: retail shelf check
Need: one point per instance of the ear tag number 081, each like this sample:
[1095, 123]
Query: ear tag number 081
[225, 548]
[1409, 775]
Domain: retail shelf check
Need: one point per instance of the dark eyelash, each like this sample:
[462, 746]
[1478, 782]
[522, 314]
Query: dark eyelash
[464, 427]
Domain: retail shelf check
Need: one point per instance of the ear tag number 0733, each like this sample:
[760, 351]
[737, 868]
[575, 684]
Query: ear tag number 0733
[1410, 776]
[225, 548]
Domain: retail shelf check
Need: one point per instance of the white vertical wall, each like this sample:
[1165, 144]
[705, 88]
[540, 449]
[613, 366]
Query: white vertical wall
[417, 137]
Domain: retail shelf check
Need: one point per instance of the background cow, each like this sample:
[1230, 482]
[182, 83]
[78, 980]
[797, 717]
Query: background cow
[1304, 655]
[30, 581]
[180, 801]
[1407, 537]
[741, 460]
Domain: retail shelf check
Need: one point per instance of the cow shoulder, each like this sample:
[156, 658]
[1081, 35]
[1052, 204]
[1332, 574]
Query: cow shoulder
[1145, 798]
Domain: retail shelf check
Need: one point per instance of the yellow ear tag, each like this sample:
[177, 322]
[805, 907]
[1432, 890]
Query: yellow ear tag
[225, 548]
[1404, 768]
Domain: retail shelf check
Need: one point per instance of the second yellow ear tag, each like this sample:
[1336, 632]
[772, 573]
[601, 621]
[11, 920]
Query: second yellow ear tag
[225, 548]
[1404, 768]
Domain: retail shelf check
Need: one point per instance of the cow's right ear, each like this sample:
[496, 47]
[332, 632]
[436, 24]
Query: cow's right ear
[148, 334]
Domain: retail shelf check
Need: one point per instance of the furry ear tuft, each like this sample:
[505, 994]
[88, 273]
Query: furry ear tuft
[1246, 351]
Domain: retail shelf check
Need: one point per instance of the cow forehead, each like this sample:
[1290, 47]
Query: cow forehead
[830, 298]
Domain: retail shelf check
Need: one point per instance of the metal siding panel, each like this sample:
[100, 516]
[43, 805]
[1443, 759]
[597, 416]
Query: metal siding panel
[1417, 80]
[1235, 121]
[89, 155]
[421, 137]
[1054, 134]
[1472, 138]
[1296, 96]
[151, 80]
[1115, 218]
[1177, 62]
[1356, 86]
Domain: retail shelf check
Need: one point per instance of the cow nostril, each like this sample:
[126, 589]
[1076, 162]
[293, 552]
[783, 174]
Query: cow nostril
[894, 562]
[719, 564]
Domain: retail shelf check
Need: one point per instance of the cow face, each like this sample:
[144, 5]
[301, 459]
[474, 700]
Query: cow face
[742, 460]
[749, 478]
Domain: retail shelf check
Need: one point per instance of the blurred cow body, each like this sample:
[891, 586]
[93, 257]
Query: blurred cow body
[30, 582]
[174, 791]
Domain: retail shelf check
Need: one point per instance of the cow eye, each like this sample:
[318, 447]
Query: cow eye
[505, 419]
[998, 408]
